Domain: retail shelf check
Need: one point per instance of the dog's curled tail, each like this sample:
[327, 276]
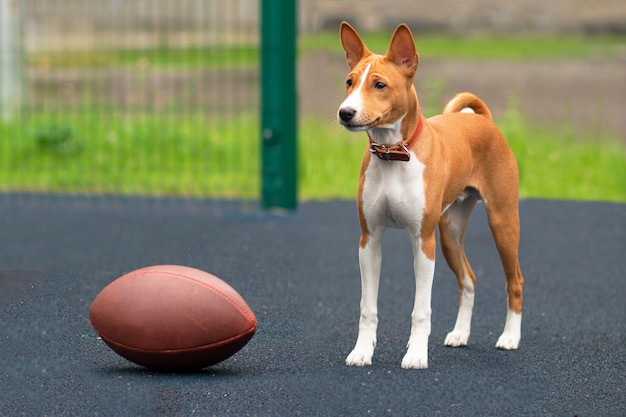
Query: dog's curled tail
[467, 103]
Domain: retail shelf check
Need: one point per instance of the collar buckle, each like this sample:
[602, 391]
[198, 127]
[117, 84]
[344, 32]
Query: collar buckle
[399, 151]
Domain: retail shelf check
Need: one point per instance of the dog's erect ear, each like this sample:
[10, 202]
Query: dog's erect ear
[352, 44]
[402, 49]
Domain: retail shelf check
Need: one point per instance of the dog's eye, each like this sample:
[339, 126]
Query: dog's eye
[379, 85]
[349, 82]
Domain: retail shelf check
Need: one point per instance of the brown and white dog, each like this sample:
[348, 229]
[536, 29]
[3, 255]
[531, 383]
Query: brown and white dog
[418, 173]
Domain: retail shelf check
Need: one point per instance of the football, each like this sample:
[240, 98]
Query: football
[172, 318]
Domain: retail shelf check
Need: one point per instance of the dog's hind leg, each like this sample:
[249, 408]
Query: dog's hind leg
[503, 217]
[452, 228]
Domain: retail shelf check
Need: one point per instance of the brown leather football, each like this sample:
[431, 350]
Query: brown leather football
[174, 318]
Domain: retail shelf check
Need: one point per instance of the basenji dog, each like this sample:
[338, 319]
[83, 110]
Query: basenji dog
[418, 174]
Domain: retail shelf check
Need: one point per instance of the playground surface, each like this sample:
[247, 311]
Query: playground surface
[299, 273]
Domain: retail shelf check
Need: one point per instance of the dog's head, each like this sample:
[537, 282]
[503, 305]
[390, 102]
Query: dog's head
[378, 87]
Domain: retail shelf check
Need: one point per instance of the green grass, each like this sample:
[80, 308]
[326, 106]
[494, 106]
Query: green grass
[561, 163]
[103, 151]
[213, 57]
[143, 154]
[548, 47]
[553, 163]
[197, 156]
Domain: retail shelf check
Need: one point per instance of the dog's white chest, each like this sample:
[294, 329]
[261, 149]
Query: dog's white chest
[394, 194]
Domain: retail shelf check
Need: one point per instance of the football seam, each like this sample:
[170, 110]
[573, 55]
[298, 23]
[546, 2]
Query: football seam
[233, 302]
[252, 330]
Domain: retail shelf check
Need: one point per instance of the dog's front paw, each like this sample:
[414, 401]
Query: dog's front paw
[414, 360]
[456, 339]
[508, 341]
[363, 350]
[360, 357]
[416, 356]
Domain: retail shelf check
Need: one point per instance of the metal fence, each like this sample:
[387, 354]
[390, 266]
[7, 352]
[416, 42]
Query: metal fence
[162, 97]
[131, 97]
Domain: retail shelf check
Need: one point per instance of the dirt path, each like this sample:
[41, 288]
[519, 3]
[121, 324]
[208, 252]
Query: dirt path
[590, 95]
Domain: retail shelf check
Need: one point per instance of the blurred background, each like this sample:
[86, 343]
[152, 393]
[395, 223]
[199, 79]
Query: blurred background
[162, 97]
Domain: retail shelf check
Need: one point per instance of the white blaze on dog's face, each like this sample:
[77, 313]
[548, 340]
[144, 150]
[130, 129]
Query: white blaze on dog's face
[376, 87]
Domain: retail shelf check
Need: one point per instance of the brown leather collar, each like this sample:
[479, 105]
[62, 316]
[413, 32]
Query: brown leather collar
[399, 151]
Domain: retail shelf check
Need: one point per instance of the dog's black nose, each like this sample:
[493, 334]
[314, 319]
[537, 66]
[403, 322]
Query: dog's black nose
[347, 114]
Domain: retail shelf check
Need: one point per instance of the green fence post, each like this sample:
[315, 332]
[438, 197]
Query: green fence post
[278, 104]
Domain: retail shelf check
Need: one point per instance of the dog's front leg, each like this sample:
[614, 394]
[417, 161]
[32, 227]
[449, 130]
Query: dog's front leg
[370, 257]
[416, 356]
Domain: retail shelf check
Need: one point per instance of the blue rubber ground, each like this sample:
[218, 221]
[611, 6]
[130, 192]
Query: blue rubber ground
[299, 273]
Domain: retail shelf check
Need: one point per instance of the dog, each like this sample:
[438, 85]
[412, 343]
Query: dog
[417, 174]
